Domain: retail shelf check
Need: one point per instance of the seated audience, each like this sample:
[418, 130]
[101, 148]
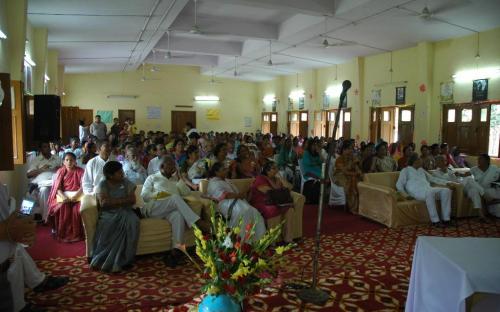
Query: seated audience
[368, 157]
[133, 169]
[428, 161]
[40, 173]
[90, 151]
[162, 194]
[154, 164]
[445, 152]
[116, 128]
[347, 174]
[74, 147]
[232, 203]
[220, 155]
[117, 230]
[403, 161]
[64, 202]
[262, 200]
[149, 153]
[458, 158]
[18, 270]
[311, 162]
[190, 129]
[285, 161]
[414, 181]
[194, 168]
[485, 174]
[179, 155]
[382, 162]
[93, 170]
[245, 167]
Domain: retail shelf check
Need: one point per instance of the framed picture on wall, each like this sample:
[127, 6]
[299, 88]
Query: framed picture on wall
[301, 103]
[480, 90]
[290, 104]
[273, 107]
[400, 95]
[446, 92]
[376, 97]
[326, 101]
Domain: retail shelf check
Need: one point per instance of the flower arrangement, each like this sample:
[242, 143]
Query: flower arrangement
[234, 263]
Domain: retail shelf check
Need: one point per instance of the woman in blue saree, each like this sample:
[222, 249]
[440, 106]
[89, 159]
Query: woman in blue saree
[117, 232]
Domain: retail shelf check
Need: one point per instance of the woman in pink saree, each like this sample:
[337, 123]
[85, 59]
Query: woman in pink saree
[64, 202]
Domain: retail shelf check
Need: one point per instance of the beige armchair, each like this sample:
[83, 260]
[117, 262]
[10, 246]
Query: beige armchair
[155, 234]
[298, 205]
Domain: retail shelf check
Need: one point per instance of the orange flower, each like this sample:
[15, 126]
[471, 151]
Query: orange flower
[237, 245]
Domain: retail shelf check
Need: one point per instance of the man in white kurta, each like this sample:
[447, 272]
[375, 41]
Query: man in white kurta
[415, 181]
[484, 175]
[20, 268]
[162, 194]
[154, 164]
[133, 169]
[93, 170]
[40, 172]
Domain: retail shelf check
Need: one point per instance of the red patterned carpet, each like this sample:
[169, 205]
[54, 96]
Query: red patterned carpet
[361, 270]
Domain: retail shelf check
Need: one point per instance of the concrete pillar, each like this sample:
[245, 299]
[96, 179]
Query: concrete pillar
[53, 72]
[16, 14]
[40, 55]
[426, 114]
[359, 117]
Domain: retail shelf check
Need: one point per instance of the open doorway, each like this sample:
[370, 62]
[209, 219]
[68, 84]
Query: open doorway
[269, 123]
[392, 124]
[298, 123]
[344, 129]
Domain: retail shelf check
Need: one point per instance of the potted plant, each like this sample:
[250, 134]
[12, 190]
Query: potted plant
[235, 264]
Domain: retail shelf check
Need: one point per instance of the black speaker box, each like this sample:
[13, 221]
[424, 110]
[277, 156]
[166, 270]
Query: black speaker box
[47, 117]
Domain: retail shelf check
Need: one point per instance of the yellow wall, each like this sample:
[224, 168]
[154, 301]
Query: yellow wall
[173, 85]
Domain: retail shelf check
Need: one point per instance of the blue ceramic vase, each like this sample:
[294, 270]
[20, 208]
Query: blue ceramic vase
[219, 303]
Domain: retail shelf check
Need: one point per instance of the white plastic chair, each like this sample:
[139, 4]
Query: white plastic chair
[303, 178]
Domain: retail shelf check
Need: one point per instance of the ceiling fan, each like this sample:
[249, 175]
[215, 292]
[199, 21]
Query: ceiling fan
[326, 44]
[154, 68]
[430, 14]
[270, 60]
[168, 53]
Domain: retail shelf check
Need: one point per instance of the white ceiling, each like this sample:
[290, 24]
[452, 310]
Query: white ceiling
[116, 35]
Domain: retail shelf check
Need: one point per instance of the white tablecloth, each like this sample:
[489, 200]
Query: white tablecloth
[446, 271]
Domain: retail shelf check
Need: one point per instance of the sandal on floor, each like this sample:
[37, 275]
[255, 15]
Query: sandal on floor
[51, 283]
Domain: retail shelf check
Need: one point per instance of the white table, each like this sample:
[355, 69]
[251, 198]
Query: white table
[446, 271]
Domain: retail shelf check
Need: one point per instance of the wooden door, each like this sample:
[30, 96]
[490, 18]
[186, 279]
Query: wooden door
[6, 146]
[124, 114]
[387, 124]
[180, 118]
[87, 115]
[482, 119]
[18, 122]
[346, 124]
[406, 124]
[318, 125]
[375, 114]
[450, 122]
[274, 124]
[331, 115]
[293, 123]
[69, 122]
[304, 123]
[266, 123]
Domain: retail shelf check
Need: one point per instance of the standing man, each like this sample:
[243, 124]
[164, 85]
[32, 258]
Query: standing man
[116, 128]
[98, 128]
[40, 172]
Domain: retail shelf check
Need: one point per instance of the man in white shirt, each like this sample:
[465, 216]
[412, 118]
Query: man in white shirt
[93, 170]
[40, 172]
[415, 181]
[17, 268]
[133, 169]
[154, 164]
[484, 175]
[190, 129]
[98, 128]
[162, 193]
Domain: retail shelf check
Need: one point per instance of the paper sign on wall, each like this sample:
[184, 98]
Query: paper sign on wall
[247, 121]
[106, 116]
[213, 114]
[154, 112]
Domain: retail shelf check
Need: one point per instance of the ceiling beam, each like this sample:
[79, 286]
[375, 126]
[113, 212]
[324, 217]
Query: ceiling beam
[310, 7]
[200, 45]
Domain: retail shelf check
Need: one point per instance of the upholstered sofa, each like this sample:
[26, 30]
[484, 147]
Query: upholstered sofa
[155, 234]
[378, 201]
[472, 160]
[243, 185]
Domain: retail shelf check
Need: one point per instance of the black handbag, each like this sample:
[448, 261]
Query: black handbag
[280, 197]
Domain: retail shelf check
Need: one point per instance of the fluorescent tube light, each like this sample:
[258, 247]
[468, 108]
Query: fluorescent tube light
[28, 60]
[121, 96]
[47, 78]
[269, 99]
[206, 98]
[480, 73]
[2, 35]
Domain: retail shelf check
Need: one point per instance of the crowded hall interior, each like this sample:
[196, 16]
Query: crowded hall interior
[237, 155]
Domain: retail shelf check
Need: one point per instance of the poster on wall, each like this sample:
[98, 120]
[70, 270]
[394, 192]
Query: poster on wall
[154, 112]
[480, 90]
[376, 97]
[274, 104]
[247, 121]
[400, 95]
[106, 116]
[326, 101]
[301, 103]
[213, 114]
[446, 92]
[290, 104]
